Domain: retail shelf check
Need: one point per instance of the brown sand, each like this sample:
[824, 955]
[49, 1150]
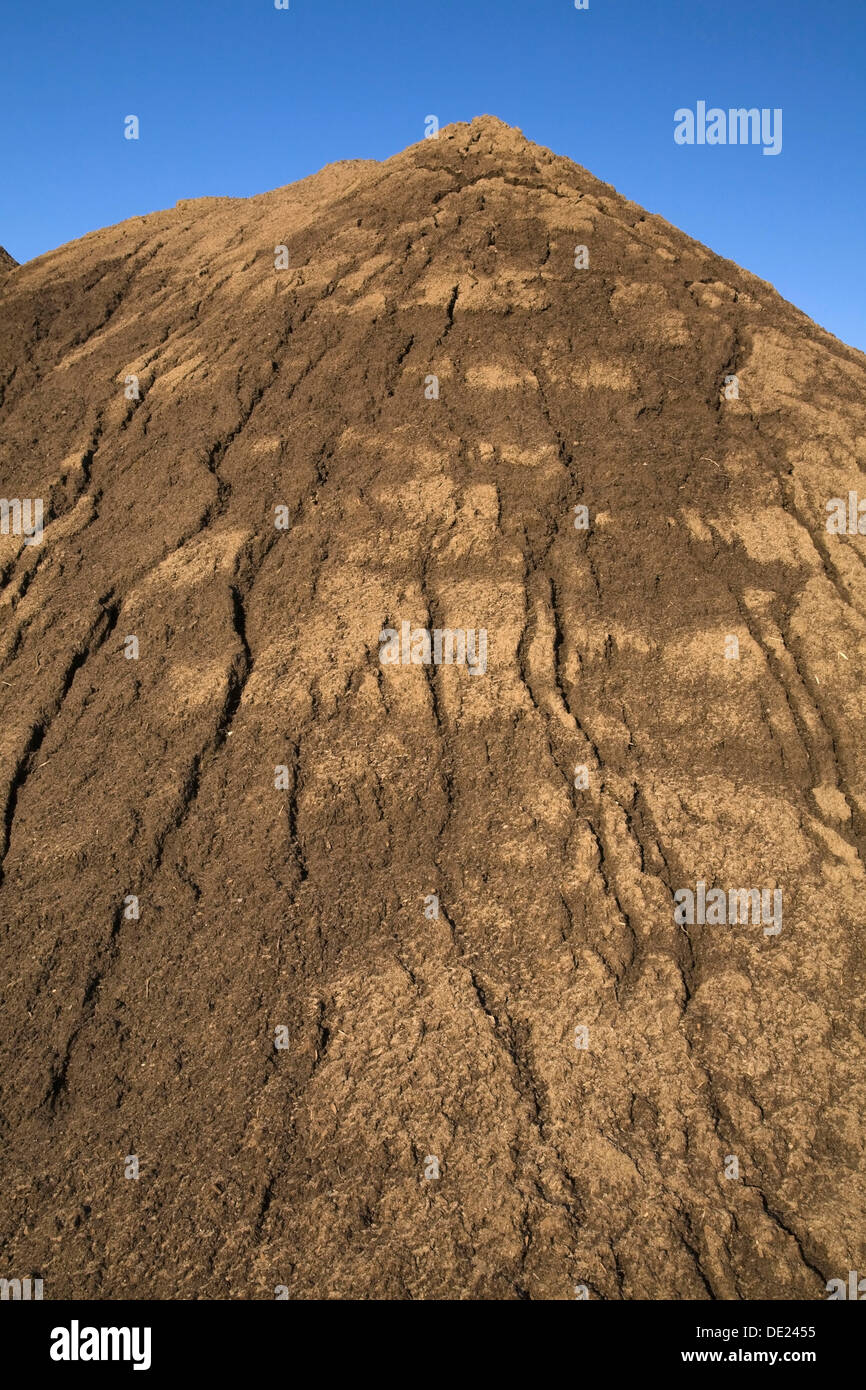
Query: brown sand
[413, 1037]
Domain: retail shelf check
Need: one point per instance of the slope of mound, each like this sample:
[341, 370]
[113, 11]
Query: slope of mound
[375, 967]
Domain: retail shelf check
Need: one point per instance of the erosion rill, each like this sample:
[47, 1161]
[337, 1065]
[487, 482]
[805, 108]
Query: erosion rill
[334, 967]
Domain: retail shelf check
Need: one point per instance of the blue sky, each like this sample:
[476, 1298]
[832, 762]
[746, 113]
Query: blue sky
[235, 97]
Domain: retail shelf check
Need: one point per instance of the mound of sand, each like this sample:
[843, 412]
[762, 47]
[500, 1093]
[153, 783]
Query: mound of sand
[382, 969]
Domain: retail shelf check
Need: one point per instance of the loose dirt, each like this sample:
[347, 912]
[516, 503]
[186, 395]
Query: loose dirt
[614, 1100]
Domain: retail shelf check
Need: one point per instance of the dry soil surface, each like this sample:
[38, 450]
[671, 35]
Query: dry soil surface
[611, 1098]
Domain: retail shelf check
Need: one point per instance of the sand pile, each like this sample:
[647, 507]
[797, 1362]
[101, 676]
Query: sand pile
[332, 967]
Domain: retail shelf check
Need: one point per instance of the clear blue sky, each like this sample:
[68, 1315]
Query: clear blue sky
[235, 97]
